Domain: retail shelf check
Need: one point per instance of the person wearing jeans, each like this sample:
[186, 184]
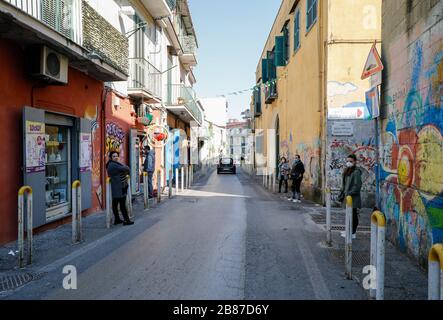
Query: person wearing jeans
[283, 174]
[351, 186]
[118, 173]
[149, 167]
[297, 172]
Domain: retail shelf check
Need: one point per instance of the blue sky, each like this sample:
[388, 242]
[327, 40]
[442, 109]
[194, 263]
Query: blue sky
[231, 35]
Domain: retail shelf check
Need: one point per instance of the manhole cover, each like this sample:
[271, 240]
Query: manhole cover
[14, 281]
[359, 258]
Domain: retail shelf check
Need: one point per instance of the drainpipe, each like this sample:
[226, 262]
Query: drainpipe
[103, 144]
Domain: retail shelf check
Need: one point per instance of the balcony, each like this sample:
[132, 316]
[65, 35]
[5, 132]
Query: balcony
[72, 28]
[189, 47]
[63, 16]
[158, 8]
[271, 92]
[144, 80]
[172, 4]
[181, 101]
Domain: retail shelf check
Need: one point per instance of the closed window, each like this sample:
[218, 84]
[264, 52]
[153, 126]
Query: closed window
[311, 13]
[297, 30]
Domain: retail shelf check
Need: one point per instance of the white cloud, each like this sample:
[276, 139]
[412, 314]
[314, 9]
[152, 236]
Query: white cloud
[337, 88]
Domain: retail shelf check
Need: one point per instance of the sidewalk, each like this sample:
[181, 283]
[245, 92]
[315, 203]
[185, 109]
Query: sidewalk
[55, 244]
[404, 278]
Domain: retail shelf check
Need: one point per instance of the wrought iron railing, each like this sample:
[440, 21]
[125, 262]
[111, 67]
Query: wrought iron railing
[143, 75]
[271, 92]
[64, 16]
[179, 94]
[172, 4]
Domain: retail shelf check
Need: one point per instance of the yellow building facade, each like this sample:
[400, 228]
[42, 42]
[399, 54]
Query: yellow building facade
[320, 48]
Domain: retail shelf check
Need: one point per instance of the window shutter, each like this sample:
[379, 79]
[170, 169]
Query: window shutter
[280, 51]
[272, 72]
[285, 45]
[264, 70]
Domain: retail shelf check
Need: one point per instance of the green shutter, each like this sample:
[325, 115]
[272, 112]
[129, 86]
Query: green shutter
[280, 51]
[264, 70]
[272, 72]
[285, 44]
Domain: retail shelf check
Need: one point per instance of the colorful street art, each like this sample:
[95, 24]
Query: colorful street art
[114, 137]
[339, 149]
[412, 143]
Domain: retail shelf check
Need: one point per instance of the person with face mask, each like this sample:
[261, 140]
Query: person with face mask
[297, 172]
[351, 186]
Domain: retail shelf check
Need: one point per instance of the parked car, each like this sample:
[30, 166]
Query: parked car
[226, 165]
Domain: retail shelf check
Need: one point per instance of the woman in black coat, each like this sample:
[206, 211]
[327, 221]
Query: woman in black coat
[119, 187]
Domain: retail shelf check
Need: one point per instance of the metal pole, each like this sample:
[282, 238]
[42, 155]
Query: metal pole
[21, 235]
[348, 240]
[170, 184]
[328, 218]
[159, 188]
[145, 191]
[29, 228]
[176, 181]
[183, 177]
[129, 198]
[273, 181]
[381, 263]
[76, 211]
[373, 256]
[264, 175]
[435, 273]
[79, 213]
[108, 203]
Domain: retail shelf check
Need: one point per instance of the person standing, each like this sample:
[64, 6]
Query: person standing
[297, 172]
[351, 186]
[283, 174]
[149, 167]
[118, 173]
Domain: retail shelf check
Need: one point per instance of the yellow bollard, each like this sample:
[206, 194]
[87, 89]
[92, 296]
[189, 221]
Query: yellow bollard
[21, 194]
[76, 212]
[348, 240]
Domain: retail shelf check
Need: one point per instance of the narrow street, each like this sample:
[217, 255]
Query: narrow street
[226, 239]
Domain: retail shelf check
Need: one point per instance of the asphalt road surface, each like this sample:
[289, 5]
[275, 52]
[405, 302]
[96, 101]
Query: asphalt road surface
[227, 238]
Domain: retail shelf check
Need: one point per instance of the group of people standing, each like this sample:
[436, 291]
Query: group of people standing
[295, 173]
[351, 184]
[118, 173]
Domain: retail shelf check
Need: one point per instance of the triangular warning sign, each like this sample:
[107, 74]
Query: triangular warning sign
[373, 64]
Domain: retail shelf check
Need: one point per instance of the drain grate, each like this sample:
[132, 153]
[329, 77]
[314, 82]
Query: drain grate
[359, 228]
[359, 258]
[14, 281]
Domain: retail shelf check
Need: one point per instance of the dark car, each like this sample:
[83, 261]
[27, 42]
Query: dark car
[226, 165]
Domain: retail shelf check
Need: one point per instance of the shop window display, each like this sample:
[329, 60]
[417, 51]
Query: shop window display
[58, 177]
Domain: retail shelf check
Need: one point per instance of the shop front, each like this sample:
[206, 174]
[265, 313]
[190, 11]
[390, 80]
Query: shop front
[57, 151]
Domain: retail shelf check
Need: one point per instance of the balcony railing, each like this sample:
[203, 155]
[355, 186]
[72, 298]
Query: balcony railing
[179, 94]
[188, 44]
[64, 16]
[172, 4]
[271, 92]
[144, 76]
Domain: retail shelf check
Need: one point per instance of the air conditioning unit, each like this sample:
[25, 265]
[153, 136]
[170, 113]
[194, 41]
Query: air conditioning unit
[48, 64]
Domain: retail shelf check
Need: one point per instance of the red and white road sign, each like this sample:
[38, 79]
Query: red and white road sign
[373, 64]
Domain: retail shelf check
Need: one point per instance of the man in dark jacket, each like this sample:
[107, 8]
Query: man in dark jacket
[118, 173]
[149, 167]
[297, 172]
[351, 186]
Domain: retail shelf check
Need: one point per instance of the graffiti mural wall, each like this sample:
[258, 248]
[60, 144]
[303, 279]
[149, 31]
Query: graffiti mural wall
[412, 137]
[362, 144]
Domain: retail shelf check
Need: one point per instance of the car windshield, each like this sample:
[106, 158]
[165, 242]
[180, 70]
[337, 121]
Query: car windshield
[226, 161]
